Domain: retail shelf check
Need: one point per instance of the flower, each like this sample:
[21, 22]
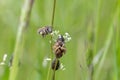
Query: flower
[4, 59]
[67, 37]
[45, 61]
[56, 33]
[62, 67]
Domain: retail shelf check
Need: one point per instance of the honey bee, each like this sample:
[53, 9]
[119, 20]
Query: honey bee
[55, 64]
[59, 47]
[45, 30]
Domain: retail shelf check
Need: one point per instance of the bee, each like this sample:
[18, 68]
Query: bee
[55, 64]
[45, 30]
[59, 47]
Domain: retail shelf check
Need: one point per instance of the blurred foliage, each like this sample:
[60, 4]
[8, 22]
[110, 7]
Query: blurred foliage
[77, 17]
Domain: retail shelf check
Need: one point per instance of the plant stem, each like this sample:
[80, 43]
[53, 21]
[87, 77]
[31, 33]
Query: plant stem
[52, 24]
[24, 20]
[48, 74]
[53, 13]
[56, 61]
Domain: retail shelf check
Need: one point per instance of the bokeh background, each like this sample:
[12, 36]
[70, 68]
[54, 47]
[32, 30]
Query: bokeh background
[94, 29]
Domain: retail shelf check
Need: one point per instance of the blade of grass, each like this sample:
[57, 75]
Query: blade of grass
[93, 40]
[116, 45]
[107, 44]
[24, 20]
[90, 50]
[97, 12]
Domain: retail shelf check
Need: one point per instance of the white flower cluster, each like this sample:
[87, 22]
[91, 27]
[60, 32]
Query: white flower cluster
[45, 61]
[56, 33]
[67, 37]
[62, 67]
[4, 59]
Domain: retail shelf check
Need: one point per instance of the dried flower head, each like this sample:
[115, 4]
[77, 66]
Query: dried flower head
[59, 50]
[55, 64]
[59, 47]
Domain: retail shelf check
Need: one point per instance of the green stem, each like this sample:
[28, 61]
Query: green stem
[52, 24]
[53, 13]
[24, 20]
[48, 74]
[53, 76]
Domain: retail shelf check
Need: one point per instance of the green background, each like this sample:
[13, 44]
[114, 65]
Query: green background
[84, 20]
